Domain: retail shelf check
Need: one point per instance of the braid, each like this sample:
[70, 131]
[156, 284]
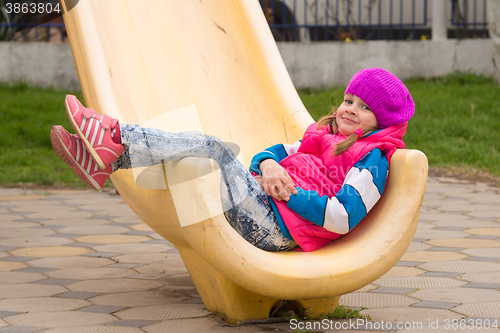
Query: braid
[341, 147]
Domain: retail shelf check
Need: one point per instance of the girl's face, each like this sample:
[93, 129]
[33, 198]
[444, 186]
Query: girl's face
[352, 114]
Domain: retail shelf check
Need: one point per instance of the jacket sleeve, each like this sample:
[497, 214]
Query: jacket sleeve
[362, 188]
[277, 152]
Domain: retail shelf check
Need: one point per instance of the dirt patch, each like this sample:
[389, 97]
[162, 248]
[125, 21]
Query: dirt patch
[470, 175]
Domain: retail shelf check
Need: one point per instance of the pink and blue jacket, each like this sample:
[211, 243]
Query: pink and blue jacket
[334, 192]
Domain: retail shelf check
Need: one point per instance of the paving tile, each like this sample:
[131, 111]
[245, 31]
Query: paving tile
[11, 266]
[482, 252]
[91, 273]
[213, 324]
[408, 263]
[29, 290]
[56, 282]
[162, 312]
[483, 259]
[435, 305]
[95, 329]
[449, 249]
[102, 309]
[458, 295]
[77, 295]
[51, 215]
[426, 256]
[145, 276]
[419, 239]
[35, 241]
[136, 298]
[489, 277]
[483, 309]
[94, 229]
[390, 290]
[42, 304]
[71, 262]
[112, 239]
[141, 226]
[4, 314]
[366, 288]
[451, 228]
[124, 265]
[482, 285]
[417, 246]
[460, 266]
[60, 319]
[137, 248]
[82, 244]
[18, 259]
[19, 277]
[4, 255]
[25, 232]
[17, 222]
[102, 254]
[465, 243]
[410, 315]
[113, 285]
[399, 271]
[196, 300]
[144, 258]
[69, 236]
[422, 282]
[482, 237]
[371, 300]
[20, 329]
[439, 274]
[175, 267]
[484, 231]
[78, 222]
[131, 323]
[35, 270]
[50, 251]
[470, 223]
[485, 213]
[443, 217]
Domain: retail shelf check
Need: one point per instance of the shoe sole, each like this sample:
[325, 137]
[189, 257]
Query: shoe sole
[66, 156]
[80, 134]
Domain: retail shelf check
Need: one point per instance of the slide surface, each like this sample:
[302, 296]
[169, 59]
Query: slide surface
[213, 66]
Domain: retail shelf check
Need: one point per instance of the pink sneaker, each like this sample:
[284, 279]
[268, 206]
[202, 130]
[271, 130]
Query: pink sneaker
[95, 132]
[72, 151]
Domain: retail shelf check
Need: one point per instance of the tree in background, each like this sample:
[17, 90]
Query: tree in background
[494, 28]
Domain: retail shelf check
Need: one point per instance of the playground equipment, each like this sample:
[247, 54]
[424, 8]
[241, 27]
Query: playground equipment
[214, 66]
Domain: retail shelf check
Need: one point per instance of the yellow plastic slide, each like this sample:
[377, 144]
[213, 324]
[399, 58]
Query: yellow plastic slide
[213, 66]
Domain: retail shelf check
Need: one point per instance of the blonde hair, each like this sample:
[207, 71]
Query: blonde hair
[331, 118]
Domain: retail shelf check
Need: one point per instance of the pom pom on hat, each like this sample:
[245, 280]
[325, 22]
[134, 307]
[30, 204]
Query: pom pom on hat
[385, 94]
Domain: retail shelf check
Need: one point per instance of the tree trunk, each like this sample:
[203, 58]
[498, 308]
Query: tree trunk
[494, 28]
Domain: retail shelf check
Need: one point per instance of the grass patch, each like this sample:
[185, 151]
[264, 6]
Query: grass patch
[456, 122]
[26, 154]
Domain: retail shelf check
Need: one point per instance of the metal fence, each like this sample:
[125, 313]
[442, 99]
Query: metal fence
[315, 20]
[318, 20]
[469, 18]
[31, 20]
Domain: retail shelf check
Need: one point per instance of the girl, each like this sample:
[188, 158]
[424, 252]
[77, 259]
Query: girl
[308, 193]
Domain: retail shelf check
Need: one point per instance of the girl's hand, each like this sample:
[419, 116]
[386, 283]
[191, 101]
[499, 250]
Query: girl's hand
[275, 180]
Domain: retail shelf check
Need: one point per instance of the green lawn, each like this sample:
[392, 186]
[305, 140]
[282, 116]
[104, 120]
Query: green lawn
[456, 124]
[26, 154]
[456, 121]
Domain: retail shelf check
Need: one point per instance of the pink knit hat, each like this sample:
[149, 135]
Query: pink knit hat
[385, 94]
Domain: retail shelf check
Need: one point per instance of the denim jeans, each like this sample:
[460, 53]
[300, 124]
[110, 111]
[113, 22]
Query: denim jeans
[245, 203]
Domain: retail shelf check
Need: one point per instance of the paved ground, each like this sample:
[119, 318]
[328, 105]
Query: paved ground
[74, 262]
